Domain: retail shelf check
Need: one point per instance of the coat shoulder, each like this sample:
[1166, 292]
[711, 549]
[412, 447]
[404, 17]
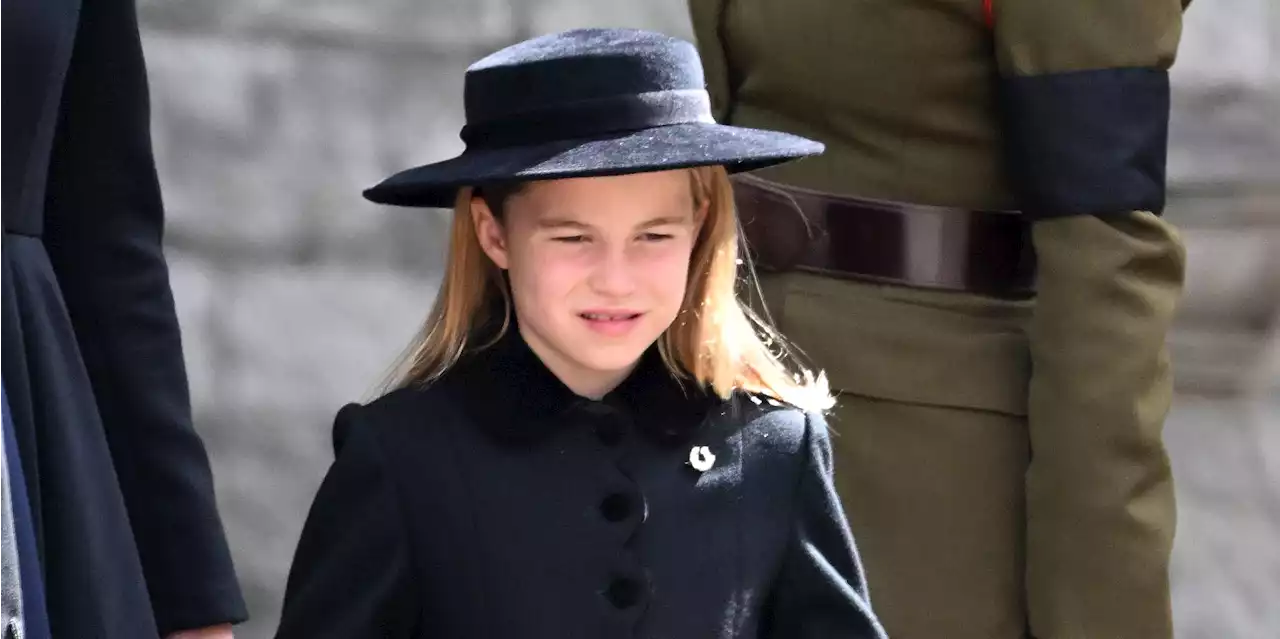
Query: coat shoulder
[786, 427]
[400, 417]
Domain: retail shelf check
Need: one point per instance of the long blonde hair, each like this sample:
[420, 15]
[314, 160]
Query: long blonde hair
[716, 339]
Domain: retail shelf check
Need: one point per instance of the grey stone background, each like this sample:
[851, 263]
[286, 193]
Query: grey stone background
[295, 294]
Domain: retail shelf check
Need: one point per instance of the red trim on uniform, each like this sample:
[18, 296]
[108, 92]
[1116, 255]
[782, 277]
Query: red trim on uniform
[988, 15]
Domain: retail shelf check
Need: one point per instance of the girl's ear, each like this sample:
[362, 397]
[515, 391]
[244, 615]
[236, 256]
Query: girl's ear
[490, 232]
[702, 208]
[701, 214]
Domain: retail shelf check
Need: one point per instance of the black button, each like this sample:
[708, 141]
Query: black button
[623, 592]
[610, 432]
[616, 507]
[595, 409]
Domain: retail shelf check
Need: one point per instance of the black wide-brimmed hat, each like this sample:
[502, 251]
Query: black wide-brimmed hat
[582, 103]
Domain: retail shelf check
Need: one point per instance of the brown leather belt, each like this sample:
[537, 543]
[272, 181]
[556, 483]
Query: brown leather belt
[788, 228]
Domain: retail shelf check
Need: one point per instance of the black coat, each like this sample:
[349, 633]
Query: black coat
[118, 481]
[496, 503]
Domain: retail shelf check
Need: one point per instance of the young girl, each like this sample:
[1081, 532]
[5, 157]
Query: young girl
[591, 437]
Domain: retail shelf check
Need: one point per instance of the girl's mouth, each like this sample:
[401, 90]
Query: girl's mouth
[611, 323]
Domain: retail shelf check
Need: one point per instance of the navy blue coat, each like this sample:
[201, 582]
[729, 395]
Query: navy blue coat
[121, 495]
[496, 503]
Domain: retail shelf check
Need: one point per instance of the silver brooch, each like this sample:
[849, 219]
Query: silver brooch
[701, 458]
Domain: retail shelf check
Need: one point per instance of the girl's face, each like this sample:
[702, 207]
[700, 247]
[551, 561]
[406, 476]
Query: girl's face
[598, 268]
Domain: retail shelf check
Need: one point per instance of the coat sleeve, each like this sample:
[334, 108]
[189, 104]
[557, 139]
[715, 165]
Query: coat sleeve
[820, 591]
[103, 231]
[1085, 95]
[351, 576]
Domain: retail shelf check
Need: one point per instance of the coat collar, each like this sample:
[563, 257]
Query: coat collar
[512, 396]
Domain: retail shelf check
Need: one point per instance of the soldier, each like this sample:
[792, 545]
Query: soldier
[979, 264]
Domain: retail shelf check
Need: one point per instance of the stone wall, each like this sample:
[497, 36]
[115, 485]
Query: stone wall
[295, 294]
[1224, 172]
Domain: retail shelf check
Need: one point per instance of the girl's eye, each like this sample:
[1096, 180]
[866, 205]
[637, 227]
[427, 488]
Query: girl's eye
[656, 237]
[570, 239]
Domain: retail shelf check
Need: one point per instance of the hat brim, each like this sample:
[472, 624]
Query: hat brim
[669, 147]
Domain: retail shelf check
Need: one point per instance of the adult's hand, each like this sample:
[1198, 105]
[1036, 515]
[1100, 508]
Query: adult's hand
[211, 632]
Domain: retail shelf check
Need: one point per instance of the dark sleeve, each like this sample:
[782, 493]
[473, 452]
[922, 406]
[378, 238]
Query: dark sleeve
[820, 592]
[351, 576]
[103, 231]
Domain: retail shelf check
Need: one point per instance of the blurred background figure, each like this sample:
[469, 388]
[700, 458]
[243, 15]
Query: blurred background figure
[113, 511]
[270, 117]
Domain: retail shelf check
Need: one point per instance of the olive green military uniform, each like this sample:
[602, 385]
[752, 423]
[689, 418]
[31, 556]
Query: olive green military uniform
[1000, 461]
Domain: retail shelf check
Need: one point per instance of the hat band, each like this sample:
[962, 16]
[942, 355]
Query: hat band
[591, 118]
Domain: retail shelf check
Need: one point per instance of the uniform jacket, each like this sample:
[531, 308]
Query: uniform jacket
[496, 503]
[118, 481]
[1059, 110]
